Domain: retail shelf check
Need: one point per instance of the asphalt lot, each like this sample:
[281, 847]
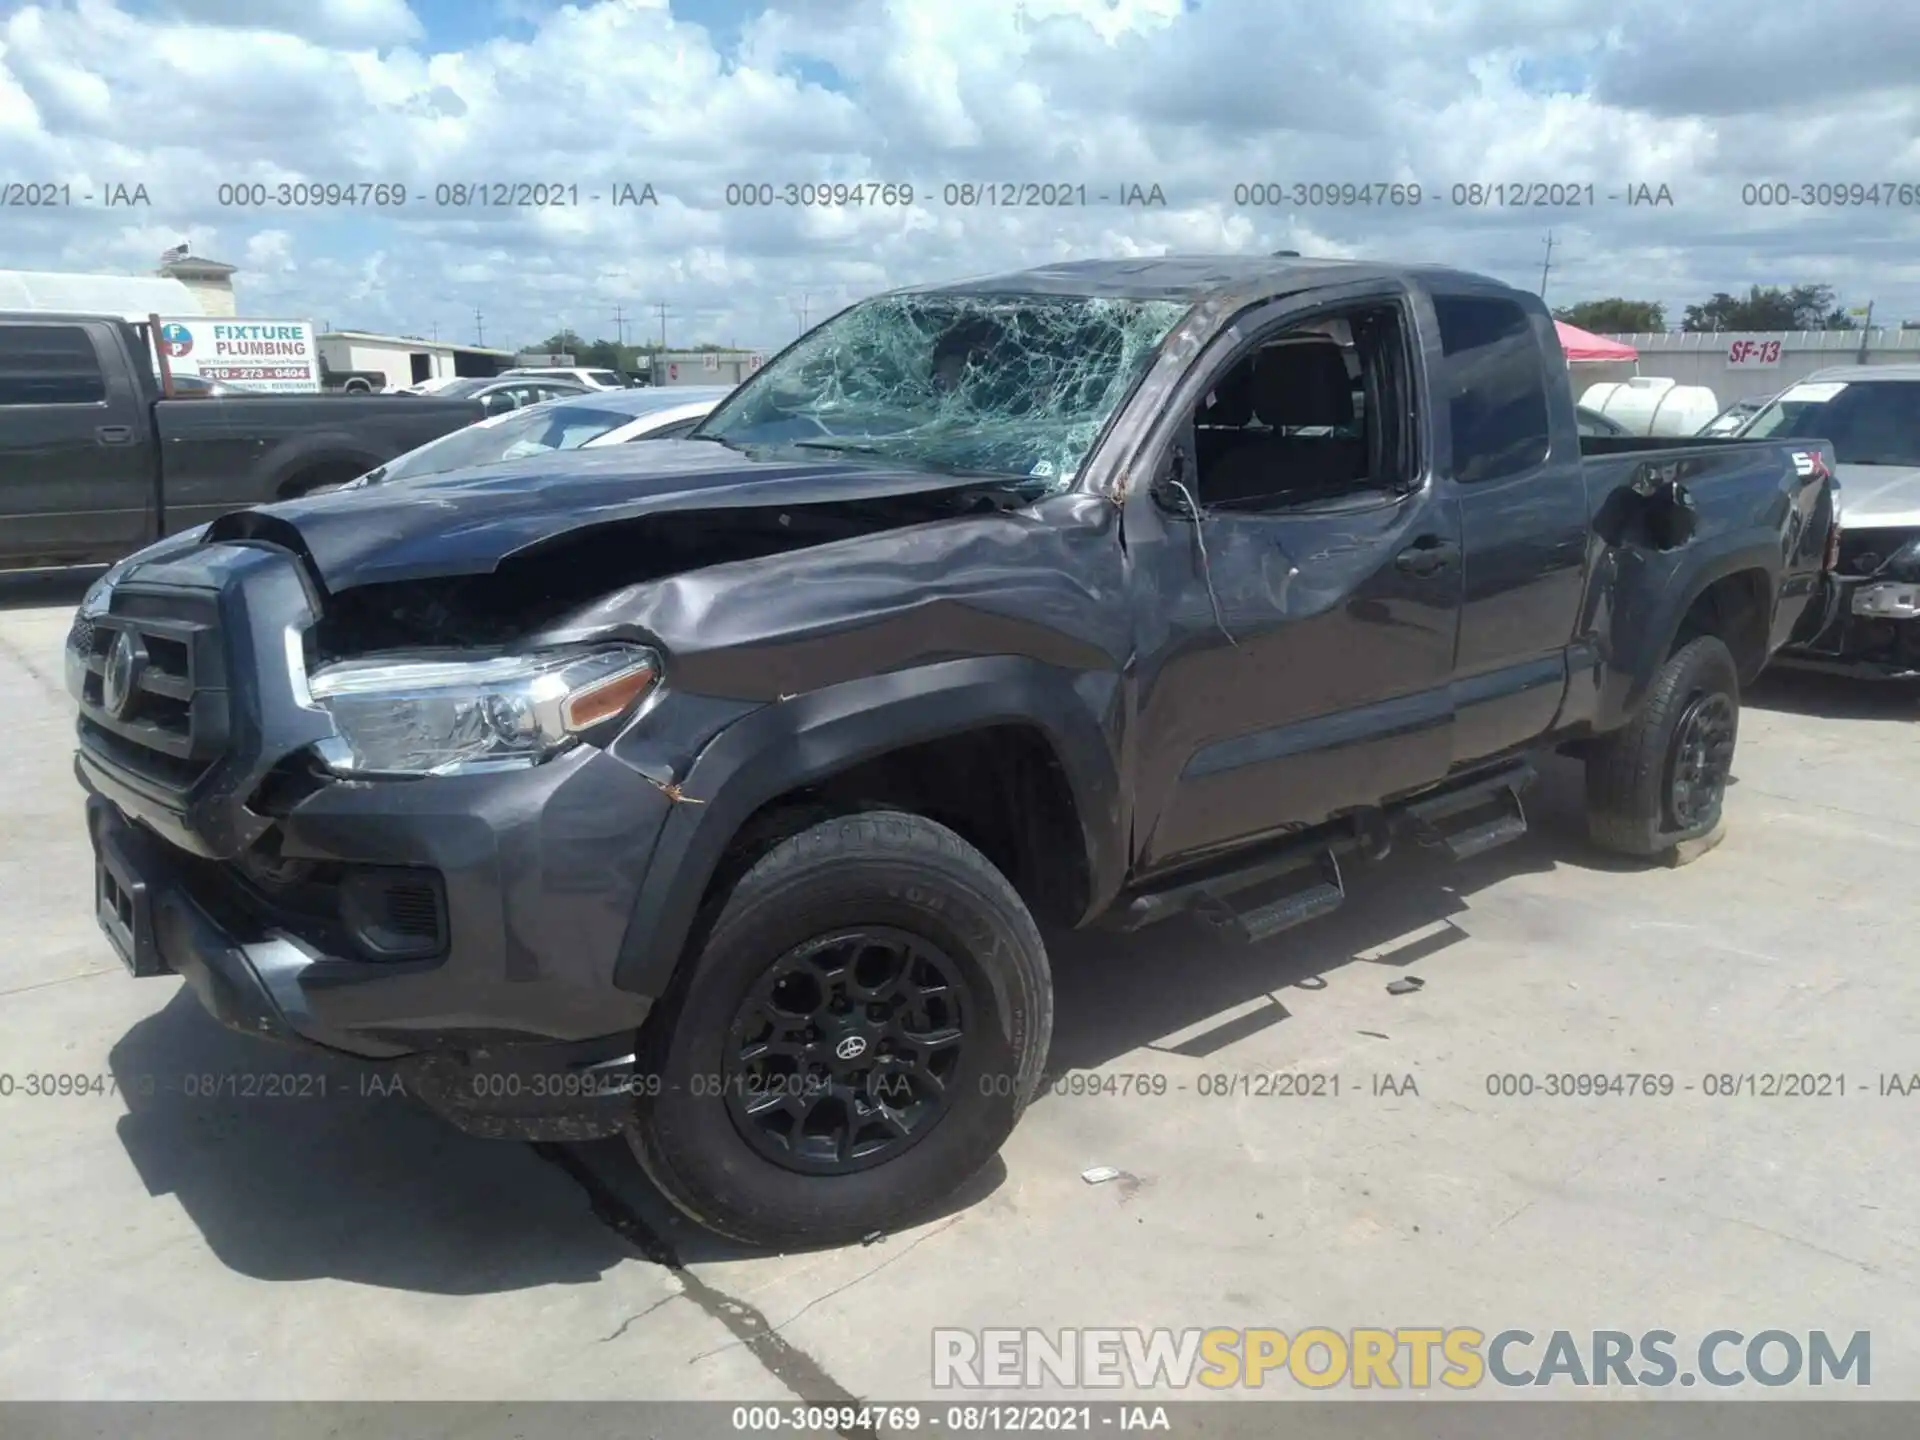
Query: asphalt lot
[175, 1246]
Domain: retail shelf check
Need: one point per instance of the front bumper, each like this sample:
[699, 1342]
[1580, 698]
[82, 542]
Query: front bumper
[1872, 631]
[538, 868]
[516, 1030]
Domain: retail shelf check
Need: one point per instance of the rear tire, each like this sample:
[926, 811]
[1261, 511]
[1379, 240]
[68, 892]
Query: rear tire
[1661, 780]
[919, 902]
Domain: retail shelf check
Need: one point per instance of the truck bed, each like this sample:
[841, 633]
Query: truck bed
[222, 454]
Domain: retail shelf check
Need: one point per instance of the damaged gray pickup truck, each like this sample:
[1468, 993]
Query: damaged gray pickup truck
[714, 790]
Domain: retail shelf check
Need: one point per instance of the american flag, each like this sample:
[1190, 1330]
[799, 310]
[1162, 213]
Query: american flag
[176, 253]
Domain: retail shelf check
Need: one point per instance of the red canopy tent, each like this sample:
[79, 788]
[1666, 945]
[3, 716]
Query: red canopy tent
[1580, 345]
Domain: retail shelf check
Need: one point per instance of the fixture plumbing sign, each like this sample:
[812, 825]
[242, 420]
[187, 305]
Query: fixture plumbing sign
[277, 356]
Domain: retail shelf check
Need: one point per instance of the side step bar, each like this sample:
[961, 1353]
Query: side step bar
[1465, 821]
[1475, 818]
[1296, 907]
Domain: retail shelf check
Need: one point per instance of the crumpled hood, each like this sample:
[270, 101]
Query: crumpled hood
[466, 522]
[1878, 497]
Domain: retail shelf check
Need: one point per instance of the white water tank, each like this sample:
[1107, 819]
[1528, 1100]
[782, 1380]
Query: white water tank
[1653, 405]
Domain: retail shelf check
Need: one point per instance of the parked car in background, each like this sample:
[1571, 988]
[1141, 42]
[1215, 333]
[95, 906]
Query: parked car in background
[95, 464]
[716, 792]
[1729, 420]
[1871, 414]
[1592, 423]
[516, 392]
[501, 393]
[572, 422]
[351, 382]
[591, 378]
[435, 386]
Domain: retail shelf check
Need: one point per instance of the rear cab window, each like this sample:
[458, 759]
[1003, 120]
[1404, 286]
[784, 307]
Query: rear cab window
[1494, 378]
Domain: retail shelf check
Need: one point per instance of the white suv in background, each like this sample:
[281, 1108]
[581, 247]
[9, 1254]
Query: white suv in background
[592, 379]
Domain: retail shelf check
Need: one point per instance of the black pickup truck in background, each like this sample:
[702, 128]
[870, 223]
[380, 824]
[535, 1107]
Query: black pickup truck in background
[710, 790]
[94, 463]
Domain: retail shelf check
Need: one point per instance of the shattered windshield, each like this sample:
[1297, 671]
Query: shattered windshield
[999, 384]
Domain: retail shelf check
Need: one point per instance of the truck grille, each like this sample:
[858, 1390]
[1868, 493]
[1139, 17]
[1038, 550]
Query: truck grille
[151, 686]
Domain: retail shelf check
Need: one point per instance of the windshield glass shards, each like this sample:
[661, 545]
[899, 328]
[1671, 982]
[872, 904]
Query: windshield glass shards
[1016, 385]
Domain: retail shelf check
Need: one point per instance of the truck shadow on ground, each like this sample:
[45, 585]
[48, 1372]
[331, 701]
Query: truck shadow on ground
[1121, 993]
[341, 1176]
[299, 1166]
[1834, 697]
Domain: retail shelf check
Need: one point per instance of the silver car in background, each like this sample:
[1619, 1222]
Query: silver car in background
[1871, 413]
[571, 422]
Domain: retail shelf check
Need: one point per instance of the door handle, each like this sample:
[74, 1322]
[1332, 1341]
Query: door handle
[113, 434]
[1427, 556]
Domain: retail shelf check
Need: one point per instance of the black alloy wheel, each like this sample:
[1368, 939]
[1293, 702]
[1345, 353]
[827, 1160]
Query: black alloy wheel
[844, 1052]
[855, 1029]
[1659, 781]
[1701, 761]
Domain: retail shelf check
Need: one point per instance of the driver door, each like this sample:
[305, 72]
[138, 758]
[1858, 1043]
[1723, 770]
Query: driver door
[1296, 634]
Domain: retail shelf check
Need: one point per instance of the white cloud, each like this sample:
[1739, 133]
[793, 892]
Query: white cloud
[1102, 93]
[330, 22]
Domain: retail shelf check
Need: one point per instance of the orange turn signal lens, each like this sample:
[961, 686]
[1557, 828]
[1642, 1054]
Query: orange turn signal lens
[609, 698]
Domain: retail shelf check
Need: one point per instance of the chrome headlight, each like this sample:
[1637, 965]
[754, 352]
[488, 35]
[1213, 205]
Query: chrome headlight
[441, 713]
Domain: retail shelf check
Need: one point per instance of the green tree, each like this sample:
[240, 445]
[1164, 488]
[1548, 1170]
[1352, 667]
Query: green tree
[563, 342]
[1771, 307]
[594, 354]
[1616, 316]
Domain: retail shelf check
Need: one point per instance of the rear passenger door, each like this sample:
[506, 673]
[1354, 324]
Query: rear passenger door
[1513, 455]
[76, 449]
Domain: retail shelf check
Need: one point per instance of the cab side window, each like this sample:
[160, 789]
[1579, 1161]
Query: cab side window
[1308, 415]
[49, 365]
[1494, 381]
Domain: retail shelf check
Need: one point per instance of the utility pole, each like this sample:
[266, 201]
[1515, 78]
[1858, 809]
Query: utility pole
[479, 327]
[663, 326]
[805, 310]
[620, 324]
[1546, 266]
[1866, 334]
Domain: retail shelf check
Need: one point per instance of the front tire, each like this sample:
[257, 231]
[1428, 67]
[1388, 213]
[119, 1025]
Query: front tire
[863, 1026]
[1662, 780]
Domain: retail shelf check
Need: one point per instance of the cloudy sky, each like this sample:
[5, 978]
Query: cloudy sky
[1200, 98]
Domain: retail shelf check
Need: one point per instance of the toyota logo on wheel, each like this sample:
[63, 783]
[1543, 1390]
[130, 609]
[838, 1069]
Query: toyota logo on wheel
[851, 1048]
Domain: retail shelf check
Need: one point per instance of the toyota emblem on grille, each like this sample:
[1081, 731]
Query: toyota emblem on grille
[851, 1048]
[125, 661]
